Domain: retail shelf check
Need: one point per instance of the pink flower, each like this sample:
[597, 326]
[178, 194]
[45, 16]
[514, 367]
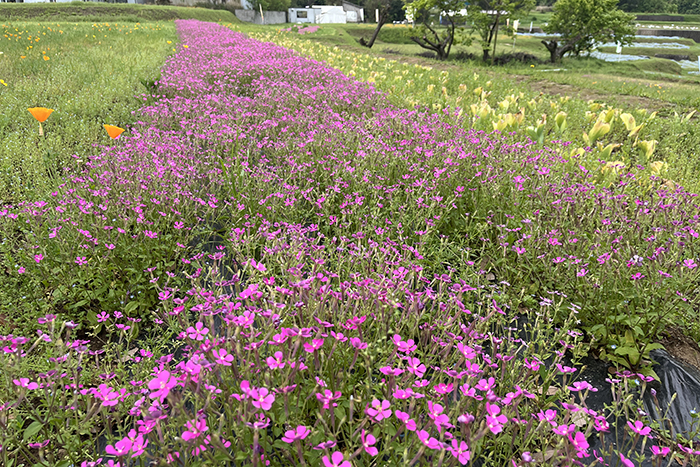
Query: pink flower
[443, 388]
[357, 343]
[40, 445]
[565, 369]
[495, 422]
[120, 448]
[198, 332]
[439, 418]
[379, 410]
[415, 367]
[262, 399]
[690, 264]
[223, 357]
[81, 260]
[337, 460]
[387, 370]
[107, 395]
[404, 417]
[276, 361]
[327, 397]
[404, 346]
[485, 385]
[639, 428]
[367, 442]
[564, 430]
[38, 258]
[325, 445]
[428, 441]
[313, 346]
[663, 452]
[299, 433]
[138, 445]
[626, 462]
[461, 451]
[24, 383]
[161, 385]
[582, 386]
[548, 416]
[194, 429]
[579, 442]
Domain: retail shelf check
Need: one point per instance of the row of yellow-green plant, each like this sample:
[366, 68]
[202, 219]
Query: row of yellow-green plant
[622, 137]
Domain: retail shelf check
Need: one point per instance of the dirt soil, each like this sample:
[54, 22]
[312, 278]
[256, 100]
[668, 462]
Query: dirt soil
[681, 347]
[558, 89]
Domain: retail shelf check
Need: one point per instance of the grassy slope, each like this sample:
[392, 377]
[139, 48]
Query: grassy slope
[655, 79]
[88, 73]
[91, 12]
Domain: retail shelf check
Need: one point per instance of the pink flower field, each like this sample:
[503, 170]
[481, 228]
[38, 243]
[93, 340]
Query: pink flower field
[275, 266]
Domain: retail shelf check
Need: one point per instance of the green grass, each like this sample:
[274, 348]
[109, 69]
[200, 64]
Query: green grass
[91, 77]
[617, 81]
[102, 12]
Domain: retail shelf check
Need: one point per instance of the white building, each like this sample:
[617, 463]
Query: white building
[302, 15]
[327, 14]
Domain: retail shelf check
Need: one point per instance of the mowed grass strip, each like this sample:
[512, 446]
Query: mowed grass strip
[90, 74]
[91, 12]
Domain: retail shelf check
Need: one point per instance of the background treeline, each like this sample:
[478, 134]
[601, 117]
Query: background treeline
[688, 7]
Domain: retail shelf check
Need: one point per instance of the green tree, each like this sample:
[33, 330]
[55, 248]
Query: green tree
[271, 5]
[488, 15]
[650, 6]
[583, 23]
[435, 37]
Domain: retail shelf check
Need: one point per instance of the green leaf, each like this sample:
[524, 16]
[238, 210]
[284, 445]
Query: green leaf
[653, 346]
[31, 430]
[279, 444]
[79, 304]
[131, 306]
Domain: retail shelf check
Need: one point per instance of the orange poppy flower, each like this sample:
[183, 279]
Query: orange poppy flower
[113, 131]
[40, 113]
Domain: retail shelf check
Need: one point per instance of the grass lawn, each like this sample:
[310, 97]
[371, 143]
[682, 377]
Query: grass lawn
[90, 73]
[94, 12]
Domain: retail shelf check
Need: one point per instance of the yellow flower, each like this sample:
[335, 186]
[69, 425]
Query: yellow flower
[46, 58]
[40, 113]
[113, 131]
[2, 81]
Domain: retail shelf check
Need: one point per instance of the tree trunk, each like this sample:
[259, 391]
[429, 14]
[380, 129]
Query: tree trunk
[555, 52]
[382, 21]
[495, 37]
[440, 46]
